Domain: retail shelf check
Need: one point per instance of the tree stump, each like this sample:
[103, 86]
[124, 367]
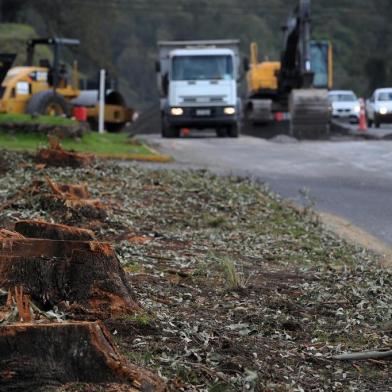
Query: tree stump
[52, 231]
[74, 191]
[72, 199]
[84, 278]
[35, 356]
[56, 156]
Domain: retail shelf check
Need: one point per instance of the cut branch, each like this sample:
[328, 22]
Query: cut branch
[364, 355]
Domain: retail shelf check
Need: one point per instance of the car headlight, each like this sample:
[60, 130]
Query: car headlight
[383, 110]
[177, 111]
[357, 109]
[229, 110]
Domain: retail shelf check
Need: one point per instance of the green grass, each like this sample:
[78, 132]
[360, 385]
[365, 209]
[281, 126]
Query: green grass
[111, 145]
[28, 119]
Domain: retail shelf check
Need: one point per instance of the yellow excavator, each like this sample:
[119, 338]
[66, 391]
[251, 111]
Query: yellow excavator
[297, 84]
[48, 89]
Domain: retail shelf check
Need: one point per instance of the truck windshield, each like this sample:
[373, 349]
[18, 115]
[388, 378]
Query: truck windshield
[202, 68]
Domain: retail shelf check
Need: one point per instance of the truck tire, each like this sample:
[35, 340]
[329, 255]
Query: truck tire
[221, 132]
[169, 132]
[48, 103]
[233, 130]
[369, 122]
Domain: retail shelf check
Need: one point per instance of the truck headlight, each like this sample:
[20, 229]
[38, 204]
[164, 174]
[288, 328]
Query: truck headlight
[383, 110]
[229, 110]
[177, 111]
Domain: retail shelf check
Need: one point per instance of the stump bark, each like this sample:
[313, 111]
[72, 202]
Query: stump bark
[35, 356]
[84, 278]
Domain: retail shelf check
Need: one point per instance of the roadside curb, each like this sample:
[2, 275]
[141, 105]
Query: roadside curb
[357, 236]
[154, 157]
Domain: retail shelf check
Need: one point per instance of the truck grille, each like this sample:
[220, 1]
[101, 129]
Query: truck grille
[213, 99]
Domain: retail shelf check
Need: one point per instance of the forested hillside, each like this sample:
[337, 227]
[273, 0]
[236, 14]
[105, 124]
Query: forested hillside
[121, 35]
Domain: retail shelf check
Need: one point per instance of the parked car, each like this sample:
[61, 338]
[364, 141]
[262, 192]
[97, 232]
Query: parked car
[379, 107]
[345, 105]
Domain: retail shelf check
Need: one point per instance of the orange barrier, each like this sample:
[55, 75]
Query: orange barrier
[362, 124]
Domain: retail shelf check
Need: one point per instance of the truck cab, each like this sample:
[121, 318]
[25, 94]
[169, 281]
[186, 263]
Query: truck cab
[199, 89]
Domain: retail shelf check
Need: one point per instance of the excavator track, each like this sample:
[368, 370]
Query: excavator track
[310, 114]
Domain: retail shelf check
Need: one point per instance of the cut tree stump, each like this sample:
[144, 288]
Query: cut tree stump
[83, 278]
[35, 356]
[56, 156]
[75, 197]
[52, 231]
[78, 191]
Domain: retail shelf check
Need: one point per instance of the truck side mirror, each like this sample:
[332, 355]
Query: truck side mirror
[246, 64]
[157, 66]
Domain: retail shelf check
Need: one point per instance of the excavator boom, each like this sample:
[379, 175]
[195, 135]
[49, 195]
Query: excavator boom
[302, 78]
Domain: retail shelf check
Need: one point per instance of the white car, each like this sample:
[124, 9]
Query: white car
[379, 107]
[345, 105]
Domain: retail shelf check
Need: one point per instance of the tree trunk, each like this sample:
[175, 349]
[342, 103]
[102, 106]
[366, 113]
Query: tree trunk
[35, 356]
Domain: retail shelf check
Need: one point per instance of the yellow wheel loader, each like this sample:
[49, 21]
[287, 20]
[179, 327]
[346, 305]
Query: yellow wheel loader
[48, 89]
[297, 84]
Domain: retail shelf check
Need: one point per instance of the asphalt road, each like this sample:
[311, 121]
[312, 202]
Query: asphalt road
[347, 177]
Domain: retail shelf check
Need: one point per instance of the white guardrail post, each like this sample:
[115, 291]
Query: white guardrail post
[101, 119]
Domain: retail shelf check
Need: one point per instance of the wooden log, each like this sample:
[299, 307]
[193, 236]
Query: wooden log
[82, 278]
[52, 231]
[35, 356]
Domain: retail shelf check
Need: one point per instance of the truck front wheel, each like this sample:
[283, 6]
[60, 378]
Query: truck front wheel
[169, 131]
[233, 130]
[221, 132]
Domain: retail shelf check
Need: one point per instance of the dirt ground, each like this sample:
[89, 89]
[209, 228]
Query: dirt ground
[240, 290]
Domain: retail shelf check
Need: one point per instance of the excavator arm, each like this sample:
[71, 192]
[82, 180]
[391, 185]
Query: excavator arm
[295, 71]
[298, 84]
[308, 106]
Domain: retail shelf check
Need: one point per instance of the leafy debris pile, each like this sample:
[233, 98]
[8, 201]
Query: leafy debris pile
[240, 290]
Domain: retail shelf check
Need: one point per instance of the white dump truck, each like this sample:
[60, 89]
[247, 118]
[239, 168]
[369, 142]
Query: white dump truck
[198, 83]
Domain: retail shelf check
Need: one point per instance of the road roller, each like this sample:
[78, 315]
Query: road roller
[50, 89]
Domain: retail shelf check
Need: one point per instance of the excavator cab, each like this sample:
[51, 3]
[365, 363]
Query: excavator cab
[321, 64]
